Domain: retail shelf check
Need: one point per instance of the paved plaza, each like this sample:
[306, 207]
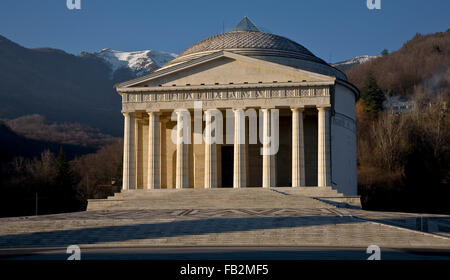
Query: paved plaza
[319, 225]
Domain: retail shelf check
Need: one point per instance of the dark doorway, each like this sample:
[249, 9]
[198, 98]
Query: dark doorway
[227, 166]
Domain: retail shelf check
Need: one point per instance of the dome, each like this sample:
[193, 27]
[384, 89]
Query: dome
[250, 40]
[246, 39]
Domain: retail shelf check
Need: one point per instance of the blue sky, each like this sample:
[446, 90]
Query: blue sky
[334, 30]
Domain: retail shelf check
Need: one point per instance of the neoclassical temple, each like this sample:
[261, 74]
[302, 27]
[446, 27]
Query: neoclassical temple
[239, 72]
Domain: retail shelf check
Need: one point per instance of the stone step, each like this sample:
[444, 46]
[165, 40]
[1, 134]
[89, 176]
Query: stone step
[219, 198]
[170, 204]
[305, 191]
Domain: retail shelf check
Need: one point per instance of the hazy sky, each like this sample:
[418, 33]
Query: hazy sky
[334, 30]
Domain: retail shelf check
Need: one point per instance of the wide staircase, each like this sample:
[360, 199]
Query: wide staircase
[224, 198]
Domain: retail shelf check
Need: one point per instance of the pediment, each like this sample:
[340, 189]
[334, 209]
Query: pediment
[224, 68]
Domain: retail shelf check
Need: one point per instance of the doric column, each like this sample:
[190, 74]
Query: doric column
[210, 153]
[128, 179]
[268, 157]
[182, 172]
[136, 149]
[323, 148]
[154, 154]
[239, 165]
[298, 154]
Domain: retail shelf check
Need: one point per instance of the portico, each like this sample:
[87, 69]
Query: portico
[143, 133]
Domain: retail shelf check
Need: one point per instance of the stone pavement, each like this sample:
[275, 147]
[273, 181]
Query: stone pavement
[224, 218]
[211, 227]
[431, 223]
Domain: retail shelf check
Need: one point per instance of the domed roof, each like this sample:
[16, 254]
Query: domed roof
[249, 40]
[246, 39]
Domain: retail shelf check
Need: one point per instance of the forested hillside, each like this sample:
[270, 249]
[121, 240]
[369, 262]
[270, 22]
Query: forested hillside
[404, 159]
[422, 64]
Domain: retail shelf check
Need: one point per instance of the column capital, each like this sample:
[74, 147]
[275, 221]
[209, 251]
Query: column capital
[323, 107]
[129, 114]
[210, 110]
[299, 108]
[267, 107]
[151, 111]
[238, 108]
[181, 111]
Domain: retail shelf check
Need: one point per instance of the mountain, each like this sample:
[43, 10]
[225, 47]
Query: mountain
[422, 64]
[348, 64]
[69, 88]
[15, 145]
[37, 128]
[140, 62]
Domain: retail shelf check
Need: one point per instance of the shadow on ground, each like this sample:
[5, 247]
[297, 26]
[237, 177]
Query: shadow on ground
[162, 230]
[118, 233]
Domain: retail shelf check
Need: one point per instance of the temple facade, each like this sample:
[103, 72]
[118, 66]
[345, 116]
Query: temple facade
[240, 109]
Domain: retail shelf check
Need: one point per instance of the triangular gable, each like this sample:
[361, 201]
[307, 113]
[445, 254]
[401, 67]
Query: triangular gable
[224, 68]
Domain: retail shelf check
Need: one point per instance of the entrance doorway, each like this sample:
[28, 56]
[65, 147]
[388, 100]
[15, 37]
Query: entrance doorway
[227, 166]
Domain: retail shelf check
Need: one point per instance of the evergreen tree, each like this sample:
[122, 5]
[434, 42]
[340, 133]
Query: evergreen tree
[372, 95]
[63, 172]
[65, 183]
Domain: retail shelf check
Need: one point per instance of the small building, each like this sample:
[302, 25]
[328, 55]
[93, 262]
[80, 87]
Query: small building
[240, 109]
[398, 104]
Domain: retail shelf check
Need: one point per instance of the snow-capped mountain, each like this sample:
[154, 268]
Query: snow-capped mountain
[347, 64]
[140, 62]
[146, 61]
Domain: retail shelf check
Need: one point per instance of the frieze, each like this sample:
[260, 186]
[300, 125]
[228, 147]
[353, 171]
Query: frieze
[223, 94]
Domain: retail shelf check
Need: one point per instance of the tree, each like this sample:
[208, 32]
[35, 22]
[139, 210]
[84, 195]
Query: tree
[64, 175]
[372, 95]
[66, 184]
[384, 52]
